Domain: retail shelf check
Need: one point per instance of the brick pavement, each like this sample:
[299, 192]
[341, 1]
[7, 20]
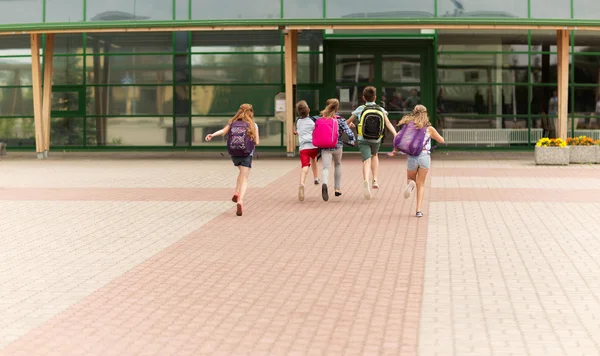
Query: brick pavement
[146, 257]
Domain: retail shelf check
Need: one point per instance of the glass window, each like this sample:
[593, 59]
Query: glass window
[236, 9]
[587, 41]
[401, 100]
[129, 10]
[182, 9]
[65, 101]
[558, 9]
[311, 97]
[310, 41]
[16, 101]
[102, 43]
[587, 69]
[236, 41]
[15, 71]
[482, 99]
[401, 68]
[226, 100]
[18, 132]
[130, 69]
[483, 8]
[21, 11]
[379, 8]
[310, 68]
[69, 43]
[498, 41]
[588, 100]
[64, 10]
[130, 131]
[67, 70]
[483, 68]
[586, 9]
[236, 68]
[131, 100]
[306, 9]
[15, 45]
[66, 131]
[354, 68]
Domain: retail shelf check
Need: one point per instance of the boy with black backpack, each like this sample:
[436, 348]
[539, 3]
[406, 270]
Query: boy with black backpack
[372, 121]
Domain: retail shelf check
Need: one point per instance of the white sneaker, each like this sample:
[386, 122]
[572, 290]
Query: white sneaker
[301, 193]
[409, 188]
[367, 190]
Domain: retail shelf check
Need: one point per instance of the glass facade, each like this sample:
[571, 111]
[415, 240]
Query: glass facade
[167, 89]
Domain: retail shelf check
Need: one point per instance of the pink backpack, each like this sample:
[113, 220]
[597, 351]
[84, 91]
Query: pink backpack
[326, 133]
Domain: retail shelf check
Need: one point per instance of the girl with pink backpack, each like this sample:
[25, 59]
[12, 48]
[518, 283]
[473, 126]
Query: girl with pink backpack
[327, 136]
[414, 140]
[242, 138]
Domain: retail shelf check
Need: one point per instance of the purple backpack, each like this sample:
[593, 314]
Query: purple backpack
[411, 140]
[239, 144]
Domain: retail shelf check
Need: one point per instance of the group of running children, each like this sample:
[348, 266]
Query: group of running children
[322, 135]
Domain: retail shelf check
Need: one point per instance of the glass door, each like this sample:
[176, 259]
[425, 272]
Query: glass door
[401, 70]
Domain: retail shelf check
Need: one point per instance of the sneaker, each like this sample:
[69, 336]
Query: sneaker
[366, 190]
[409, 188]
[375, 184]
[325, 192]
[301, 193]
[338, 193]
[235, 198]
[238, 210]
[317, 181]
[419, 214]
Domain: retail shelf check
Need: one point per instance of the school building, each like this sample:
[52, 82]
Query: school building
[160, 74]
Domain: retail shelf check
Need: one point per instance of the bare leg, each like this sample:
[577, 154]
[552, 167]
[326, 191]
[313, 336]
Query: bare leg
[421, 176]
[244, 174]
[366, 169]
[315, 168]
[303, 174]
[375, 169]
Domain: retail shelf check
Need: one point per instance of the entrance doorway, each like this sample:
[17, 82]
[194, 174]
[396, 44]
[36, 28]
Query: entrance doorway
[402, 71]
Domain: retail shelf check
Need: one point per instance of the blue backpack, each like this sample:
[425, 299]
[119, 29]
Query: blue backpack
[239, 144]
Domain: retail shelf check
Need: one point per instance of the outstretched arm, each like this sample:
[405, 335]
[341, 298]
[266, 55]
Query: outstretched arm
[221, 132]
[389, 125]
[435, 135]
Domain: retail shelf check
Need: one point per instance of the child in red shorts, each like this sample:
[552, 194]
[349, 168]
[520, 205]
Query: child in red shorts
[305, 126]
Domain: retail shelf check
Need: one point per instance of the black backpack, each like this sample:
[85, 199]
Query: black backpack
[371, 125]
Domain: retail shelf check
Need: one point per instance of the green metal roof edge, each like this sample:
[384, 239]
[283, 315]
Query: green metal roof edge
[424, 22]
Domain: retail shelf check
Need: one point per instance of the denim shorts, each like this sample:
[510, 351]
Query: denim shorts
[421, 161]
[244, 161]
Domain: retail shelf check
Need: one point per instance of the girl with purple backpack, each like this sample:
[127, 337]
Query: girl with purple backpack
[414, 139]
[243, 137]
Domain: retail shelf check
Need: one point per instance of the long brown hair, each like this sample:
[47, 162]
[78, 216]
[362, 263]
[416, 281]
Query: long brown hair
[246, 114]
[418, 117]
[330, 111]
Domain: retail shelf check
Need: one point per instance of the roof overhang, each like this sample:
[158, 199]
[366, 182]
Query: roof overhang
[444, 23]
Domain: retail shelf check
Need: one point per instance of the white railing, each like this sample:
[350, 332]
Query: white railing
[594, 134]
[490, 137]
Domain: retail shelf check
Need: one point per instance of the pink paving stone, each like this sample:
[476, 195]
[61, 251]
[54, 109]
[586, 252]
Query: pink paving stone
[267, 270]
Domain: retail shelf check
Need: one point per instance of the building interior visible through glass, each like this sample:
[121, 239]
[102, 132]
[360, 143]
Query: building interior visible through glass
[169, 88]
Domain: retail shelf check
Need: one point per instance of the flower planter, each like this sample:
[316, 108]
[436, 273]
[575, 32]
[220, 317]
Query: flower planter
[582, 154]
[552, 155]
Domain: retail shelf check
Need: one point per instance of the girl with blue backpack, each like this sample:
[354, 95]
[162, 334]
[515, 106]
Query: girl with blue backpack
[414, 140]
[242, 138]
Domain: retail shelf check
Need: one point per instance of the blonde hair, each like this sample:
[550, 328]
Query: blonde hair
[246, 114]
[418, 117]
[330, 111]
